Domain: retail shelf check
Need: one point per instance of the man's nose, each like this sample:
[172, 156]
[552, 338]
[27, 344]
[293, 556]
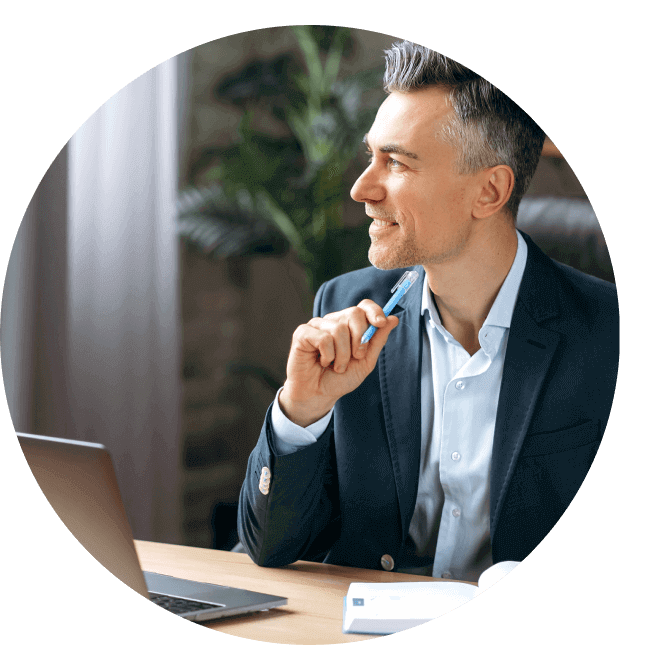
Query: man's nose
[367, 187]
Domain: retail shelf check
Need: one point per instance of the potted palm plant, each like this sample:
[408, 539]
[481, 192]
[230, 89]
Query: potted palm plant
[273, 193]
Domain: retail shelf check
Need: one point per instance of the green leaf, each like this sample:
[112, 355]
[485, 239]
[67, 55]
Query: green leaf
[333, 60]
[310, 49]
[284, 223]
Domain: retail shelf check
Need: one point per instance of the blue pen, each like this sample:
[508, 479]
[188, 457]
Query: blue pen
[404, 284]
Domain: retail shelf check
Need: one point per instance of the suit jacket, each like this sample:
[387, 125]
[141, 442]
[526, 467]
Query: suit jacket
[349, 498]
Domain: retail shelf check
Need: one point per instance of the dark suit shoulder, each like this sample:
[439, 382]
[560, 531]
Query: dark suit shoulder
[576, 304]
[591, 300]
[591, 287]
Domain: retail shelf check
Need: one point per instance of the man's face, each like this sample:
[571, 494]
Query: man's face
[420, 205]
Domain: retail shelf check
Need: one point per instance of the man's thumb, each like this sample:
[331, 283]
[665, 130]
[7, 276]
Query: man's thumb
[380, 337]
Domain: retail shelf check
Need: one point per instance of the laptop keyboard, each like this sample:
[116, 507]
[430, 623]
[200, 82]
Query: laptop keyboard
[179, 605]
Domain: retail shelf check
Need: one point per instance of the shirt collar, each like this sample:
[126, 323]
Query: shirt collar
[503, 306]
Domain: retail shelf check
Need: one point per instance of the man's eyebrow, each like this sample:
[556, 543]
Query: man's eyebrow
[393, 149]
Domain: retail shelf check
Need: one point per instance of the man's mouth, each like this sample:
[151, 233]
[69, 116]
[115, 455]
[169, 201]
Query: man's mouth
[381, 223]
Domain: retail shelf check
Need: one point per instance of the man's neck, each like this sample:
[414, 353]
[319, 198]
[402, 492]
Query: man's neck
[466, 287]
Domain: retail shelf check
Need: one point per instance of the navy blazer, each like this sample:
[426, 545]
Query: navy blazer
[349, 498]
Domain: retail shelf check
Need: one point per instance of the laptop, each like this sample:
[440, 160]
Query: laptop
[79, 481]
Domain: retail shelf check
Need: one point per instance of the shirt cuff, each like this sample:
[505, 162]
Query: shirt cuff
[289, 437]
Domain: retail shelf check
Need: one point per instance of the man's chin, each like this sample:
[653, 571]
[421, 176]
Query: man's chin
[388, 261]
[385, 263]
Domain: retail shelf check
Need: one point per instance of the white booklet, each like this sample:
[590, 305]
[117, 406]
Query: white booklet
[384, 608]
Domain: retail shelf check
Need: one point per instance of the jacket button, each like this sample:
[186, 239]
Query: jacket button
[387, 562]
[264, 481]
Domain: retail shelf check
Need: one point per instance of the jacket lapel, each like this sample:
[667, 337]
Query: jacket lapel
[530, 349]
[399, 378]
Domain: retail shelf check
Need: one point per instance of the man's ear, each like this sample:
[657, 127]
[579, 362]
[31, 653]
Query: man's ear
[495, 189]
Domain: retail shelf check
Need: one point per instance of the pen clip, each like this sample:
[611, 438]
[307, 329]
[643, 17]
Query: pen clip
[400, 281]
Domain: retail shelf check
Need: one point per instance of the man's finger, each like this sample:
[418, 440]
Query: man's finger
[372, 348]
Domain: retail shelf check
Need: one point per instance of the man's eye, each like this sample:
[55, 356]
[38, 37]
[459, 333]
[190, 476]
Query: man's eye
[390, 162]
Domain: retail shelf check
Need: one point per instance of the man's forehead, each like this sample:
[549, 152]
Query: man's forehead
[404, 119]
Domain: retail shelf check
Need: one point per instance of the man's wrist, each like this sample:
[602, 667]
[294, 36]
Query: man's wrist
[302, 414]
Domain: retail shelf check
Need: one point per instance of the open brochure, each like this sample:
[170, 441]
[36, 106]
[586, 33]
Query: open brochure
[387, 608]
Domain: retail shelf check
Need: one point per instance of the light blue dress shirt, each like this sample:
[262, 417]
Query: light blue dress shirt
[459, 401]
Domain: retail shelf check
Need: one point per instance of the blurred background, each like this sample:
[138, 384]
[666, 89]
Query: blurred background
[177, 241]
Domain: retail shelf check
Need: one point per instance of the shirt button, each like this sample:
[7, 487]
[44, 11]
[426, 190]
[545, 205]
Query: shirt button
[456, 512]
[455, 456]
[446, 575]
[387, 562]
[460, 385]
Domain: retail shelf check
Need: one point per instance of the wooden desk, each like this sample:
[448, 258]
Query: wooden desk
[315, 591]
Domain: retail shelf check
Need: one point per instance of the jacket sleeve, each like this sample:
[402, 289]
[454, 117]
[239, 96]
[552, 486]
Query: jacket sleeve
[298, 517]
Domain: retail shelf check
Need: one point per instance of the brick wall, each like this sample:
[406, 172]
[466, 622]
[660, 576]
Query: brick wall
[238, 318]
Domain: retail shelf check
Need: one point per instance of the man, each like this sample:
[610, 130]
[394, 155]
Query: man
[460, 433]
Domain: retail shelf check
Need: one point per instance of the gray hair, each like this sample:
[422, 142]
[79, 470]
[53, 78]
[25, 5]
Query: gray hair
[488, 128]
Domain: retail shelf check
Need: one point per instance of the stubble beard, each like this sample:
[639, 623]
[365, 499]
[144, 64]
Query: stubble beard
[397, 257]
[408, 254]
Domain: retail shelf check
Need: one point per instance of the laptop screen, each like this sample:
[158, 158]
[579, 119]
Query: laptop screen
[79, 482]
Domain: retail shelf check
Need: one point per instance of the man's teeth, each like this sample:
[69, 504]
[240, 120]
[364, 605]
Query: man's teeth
[384, 223]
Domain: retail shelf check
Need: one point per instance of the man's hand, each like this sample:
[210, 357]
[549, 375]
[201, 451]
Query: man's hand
[328, 361]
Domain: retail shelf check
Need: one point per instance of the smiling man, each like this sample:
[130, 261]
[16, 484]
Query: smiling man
[458, 436]
[426, 210]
